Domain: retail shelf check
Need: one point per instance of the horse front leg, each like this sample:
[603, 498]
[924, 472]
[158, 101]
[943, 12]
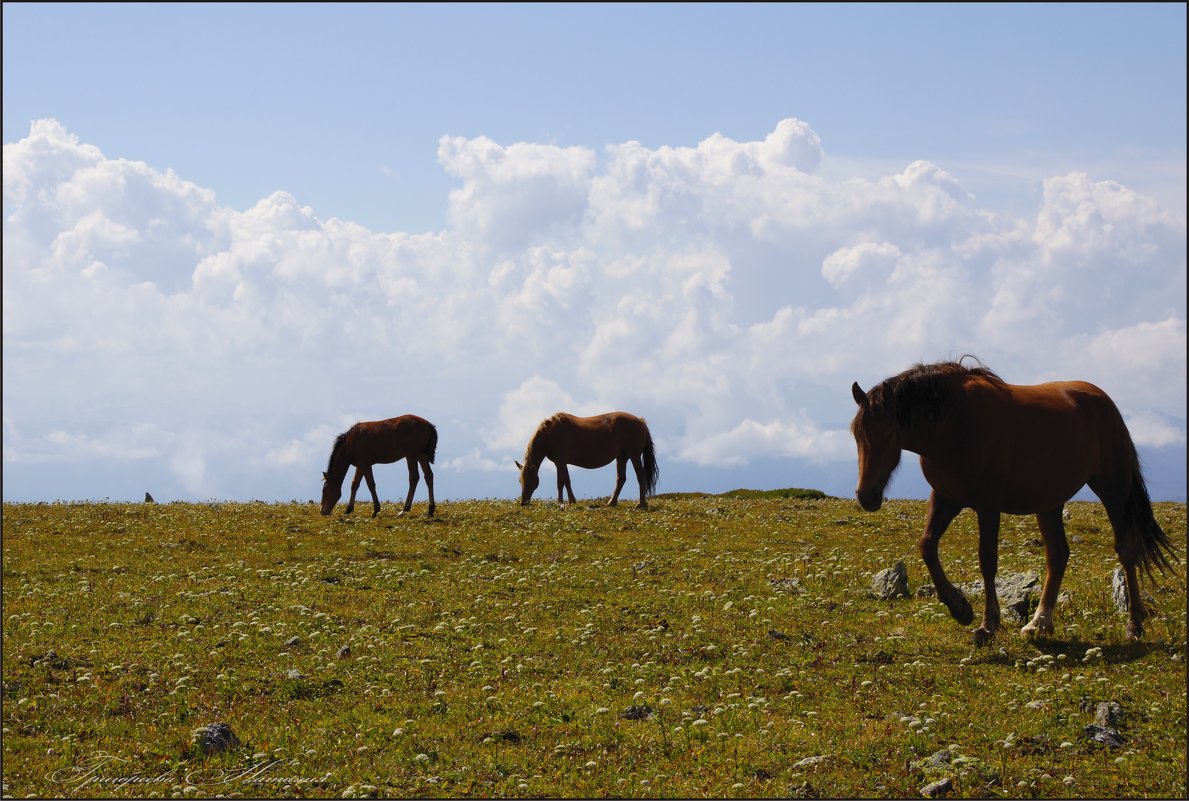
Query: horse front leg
[988, 563]
[371, 485]
[941, 514]
[621, 477]
[570, 488]
[429, 484]
[354, 488]
[563, 481]
[1052, 531]
[414, 476]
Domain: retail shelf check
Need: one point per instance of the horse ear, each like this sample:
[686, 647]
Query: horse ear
[325, 477]
[859, 394]
[518, 466]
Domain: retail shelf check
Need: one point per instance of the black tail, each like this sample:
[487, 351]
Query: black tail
[651, 470]
[431, 449]
[1154, 548]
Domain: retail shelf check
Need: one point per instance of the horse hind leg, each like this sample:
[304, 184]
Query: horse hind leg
[988, 562]
[638, 466]
[1128, 547]
[1052, 531]
[425, 468]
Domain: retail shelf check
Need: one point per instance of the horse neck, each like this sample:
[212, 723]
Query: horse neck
[535, 453]
[340, 463]
[930, 438]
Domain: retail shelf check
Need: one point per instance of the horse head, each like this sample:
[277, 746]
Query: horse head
[876, 435]
[530, 479]
[330, 494]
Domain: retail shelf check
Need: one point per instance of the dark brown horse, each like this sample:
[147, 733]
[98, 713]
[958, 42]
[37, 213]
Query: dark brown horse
[999, 448]
[590, 442]
[380, 442]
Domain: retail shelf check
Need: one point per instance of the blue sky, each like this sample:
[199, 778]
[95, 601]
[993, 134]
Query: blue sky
[775, 182]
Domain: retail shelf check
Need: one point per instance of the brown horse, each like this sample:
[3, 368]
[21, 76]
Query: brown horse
[590, 442]
[380, 442]
[998, 448]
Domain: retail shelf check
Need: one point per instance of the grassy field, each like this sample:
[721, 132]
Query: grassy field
[719, 646]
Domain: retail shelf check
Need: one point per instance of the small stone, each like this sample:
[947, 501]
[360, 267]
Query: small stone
[148, 498]
[214, 738]
[940, 759]
[891, 583]
[294, 675]
[1105, 735]
[938, 788]
[344, 652]
[634, 712]
[1108, 715]
[1119, 589]
[810, 761]
[293, 642]
[1015, 591]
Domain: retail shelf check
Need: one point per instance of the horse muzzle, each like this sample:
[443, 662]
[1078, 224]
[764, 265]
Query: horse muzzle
[869, 501]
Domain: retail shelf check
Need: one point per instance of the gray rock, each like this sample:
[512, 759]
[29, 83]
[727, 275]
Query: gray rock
[1105, 735]
[295, 675]
[938, 788]
[1015, 592]
[344, 652]
[293, 642]
[891, 583]
[214, 738]
[637, 712]
[809, 762]
[940, 759]
[1119, 589]
[926, 591]
[148, 498]
[1108, 715]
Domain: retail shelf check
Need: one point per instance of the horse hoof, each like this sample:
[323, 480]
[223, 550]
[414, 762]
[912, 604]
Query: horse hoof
[962, 611]
[430, 512]
[982, 636]
[1034, 630]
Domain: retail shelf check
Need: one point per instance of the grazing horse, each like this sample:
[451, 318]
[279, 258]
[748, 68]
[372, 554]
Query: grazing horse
[590, 442]
[380, 442]
[998, 448]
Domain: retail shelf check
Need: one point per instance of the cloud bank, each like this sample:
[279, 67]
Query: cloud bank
[726, 292]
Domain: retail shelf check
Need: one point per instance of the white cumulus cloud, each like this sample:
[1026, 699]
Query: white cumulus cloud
[727, 292]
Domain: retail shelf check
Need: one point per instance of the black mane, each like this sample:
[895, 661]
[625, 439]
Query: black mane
[339, 443]
[923, 391]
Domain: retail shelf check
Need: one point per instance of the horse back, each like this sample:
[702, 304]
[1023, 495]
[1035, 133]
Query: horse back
[596, 441]
[385, 441]
[1025, 449]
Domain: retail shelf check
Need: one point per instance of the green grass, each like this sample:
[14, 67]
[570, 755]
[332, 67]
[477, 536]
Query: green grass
[705, 647]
